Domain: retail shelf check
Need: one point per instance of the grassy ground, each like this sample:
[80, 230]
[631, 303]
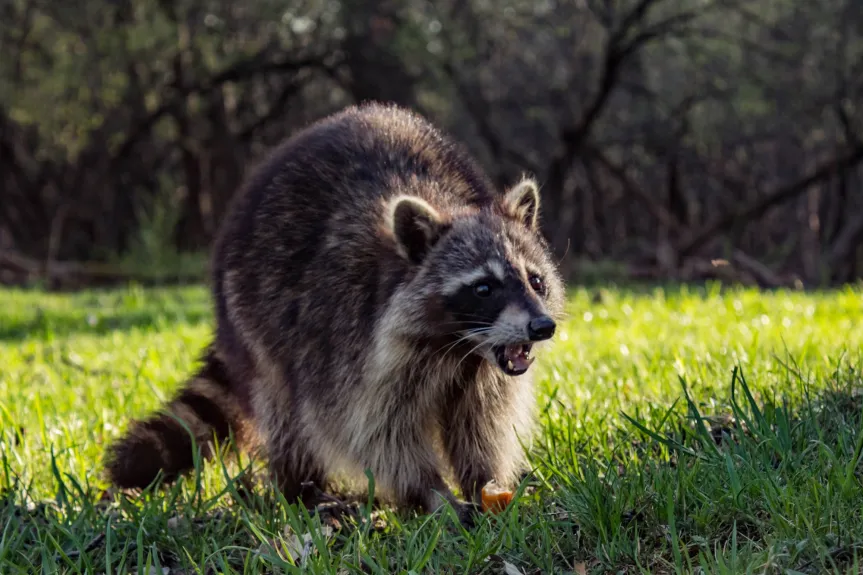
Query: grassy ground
[684, 431]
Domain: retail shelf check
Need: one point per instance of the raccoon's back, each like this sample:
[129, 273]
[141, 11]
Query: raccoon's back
[300, 256]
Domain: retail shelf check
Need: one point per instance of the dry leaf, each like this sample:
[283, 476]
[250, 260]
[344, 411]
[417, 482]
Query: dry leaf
[510, 569]
[297, 549]
[300, 551]
[580, 569]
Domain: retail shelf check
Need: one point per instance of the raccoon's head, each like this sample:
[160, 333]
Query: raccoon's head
[485, 280]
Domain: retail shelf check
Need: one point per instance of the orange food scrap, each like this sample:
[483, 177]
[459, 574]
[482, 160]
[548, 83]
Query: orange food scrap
[495, 500]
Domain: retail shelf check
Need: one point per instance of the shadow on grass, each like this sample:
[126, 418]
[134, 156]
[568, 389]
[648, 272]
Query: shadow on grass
[71, 324]
[99, 313]
[760, 485]
[173, 527]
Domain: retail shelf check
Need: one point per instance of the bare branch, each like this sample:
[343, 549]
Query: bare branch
[763, 204]
[244, 69]
[763, 274]
[655, 209]
[479, 110]
[846, 242]
[617, 52]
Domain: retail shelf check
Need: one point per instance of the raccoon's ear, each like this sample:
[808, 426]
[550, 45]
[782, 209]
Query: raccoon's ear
[522, 200]
[416, 226]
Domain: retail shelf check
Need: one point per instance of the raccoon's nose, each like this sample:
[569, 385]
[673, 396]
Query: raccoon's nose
[540, 328]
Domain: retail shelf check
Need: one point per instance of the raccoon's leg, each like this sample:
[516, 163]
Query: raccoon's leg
[403, 460]
[481, 437]
[206, 405]
[294, 468]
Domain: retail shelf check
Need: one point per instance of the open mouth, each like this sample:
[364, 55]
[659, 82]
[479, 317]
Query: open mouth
[513, 359]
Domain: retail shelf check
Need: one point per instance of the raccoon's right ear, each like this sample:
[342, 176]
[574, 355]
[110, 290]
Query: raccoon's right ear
[523, 202]
[416, 226]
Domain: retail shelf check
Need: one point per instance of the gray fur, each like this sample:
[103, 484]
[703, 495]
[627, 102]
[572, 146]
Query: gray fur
[332, 322]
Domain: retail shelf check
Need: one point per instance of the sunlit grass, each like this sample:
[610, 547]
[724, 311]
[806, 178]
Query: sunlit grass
[630, 475]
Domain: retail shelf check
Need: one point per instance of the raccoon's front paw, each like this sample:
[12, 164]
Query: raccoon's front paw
[468, 513]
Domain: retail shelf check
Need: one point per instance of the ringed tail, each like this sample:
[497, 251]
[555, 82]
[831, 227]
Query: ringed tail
[208, 408]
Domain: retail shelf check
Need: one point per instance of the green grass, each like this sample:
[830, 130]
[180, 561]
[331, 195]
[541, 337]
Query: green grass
[684, 430]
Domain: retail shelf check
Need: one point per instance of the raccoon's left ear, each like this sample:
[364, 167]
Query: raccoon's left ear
[416, 226]
[522, 200]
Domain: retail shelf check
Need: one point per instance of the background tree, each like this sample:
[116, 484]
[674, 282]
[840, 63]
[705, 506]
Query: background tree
[667, 134]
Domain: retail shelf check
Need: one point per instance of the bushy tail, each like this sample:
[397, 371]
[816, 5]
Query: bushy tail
[208, 408]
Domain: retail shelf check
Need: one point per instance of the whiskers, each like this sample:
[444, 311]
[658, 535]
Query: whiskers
[468, 319]
[468, 354]
[463, 337]
[481, 334]
[465, 323]
[441, 355]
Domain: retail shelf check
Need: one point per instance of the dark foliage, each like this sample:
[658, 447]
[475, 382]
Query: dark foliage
[667, 134]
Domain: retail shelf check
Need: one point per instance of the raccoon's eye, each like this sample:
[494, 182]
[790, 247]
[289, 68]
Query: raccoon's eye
[537, 284]
[482, 290]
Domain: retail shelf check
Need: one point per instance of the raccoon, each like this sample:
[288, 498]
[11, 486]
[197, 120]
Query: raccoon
[378, 306]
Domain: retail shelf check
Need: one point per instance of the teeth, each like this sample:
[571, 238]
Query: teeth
[509, 364]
